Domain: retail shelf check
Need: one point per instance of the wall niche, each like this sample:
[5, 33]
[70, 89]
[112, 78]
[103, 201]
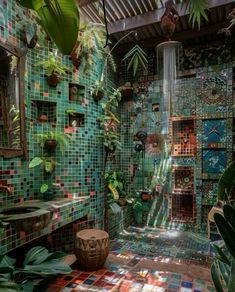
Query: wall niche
[76, 93]
[44, 111]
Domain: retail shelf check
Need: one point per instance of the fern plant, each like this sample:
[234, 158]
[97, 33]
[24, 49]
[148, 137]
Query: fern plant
[197, 9]
[137, 59]
[90, 45]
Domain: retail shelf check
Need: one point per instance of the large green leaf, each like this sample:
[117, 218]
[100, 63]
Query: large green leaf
[226, 181]
[47, 268]
[6, 286]
[60, 19]
[216, 278]
[221, 255]
[35, 162]
[229, 215]
[231, 284]
[34, 253]
[226, 231]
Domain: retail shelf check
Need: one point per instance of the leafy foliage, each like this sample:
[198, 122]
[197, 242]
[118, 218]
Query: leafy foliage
[226, 182]
[196, 10]
[56, 17]
[223, 268]
[138, 59]
[109, 121]
[48, 163]
[38, 263]
[90, 45]
[52, 65]
[62, 139]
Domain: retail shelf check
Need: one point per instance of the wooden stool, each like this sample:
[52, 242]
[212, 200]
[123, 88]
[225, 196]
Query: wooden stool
[91, 249]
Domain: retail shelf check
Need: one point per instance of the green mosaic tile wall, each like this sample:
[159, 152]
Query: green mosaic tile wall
[79, 168]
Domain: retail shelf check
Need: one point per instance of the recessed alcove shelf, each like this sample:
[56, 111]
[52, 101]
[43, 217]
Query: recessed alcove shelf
[183, 207]
[76, 93]
[43, 111]
[182, 179]
[183, 137]
[76, 119]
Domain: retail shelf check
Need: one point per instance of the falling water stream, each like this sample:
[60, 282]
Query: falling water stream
[167, 60]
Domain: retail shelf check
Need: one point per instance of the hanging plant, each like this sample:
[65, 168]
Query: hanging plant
[137, 59]
[29, 34]
[109, 122]
[197, 9]
[90, 47]
[54, 69]
[56, 17]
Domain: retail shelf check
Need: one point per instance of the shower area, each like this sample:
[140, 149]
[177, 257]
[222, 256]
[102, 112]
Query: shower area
[152, 137]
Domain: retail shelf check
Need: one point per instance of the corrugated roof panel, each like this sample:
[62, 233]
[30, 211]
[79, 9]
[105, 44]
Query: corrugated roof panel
[115, 4]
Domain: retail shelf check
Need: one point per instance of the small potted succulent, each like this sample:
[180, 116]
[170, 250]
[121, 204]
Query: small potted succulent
[54, 69]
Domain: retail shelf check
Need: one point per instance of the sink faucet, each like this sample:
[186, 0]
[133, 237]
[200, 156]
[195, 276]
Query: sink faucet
[6, 189]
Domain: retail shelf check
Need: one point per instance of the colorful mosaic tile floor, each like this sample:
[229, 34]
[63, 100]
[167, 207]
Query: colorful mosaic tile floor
[155, 244]
[142, 259]
[120, 278]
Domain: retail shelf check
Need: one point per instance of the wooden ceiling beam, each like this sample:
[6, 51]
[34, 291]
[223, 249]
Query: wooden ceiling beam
[82, 3]
[151, 17]
[150, 43]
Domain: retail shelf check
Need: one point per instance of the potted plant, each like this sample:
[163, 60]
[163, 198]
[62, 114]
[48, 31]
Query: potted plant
[90, 47]
[54, 69]
[109, 122]
[115, 183]
[50, 140]
[48, 163]
[98, 90]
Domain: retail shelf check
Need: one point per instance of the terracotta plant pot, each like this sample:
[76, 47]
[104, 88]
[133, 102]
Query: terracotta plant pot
[50, 144]
[97, 95]
[145, 196]
[33, 40]
[53, 80]
[108, 150]
[122, 201]
[42, 118]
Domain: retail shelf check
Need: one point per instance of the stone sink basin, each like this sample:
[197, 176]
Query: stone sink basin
[26, 217]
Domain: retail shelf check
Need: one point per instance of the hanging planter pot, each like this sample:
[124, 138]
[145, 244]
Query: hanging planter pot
[122, 201]
[108, 150]
[53, 80]
[75, 60]
[126, 91]
[29, 35]
[50, 144]
[97, 95]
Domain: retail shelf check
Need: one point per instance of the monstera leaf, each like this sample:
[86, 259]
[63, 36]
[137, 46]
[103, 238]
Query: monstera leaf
[60, 20]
